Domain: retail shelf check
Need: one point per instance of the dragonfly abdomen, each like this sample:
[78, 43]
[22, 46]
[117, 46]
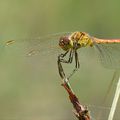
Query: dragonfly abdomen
[106, 41]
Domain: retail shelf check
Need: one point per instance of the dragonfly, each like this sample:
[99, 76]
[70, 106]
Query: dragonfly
[108, 50]
[70, 44]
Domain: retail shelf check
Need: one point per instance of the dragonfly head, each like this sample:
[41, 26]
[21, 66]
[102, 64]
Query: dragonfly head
[65, 43]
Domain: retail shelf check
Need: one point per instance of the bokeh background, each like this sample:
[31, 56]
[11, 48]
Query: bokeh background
[30, 86]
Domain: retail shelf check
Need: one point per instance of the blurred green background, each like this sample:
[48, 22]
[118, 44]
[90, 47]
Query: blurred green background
[30, 86]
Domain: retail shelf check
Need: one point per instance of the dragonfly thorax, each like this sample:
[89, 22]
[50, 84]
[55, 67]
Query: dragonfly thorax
[81, 39]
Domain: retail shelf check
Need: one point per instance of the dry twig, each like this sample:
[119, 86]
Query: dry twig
[81, 112]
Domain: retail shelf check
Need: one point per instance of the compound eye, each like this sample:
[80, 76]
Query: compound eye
[64, 43]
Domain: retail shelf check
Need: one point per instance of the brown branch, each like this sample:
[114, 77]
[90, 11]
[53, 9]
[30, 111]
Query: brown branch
[81, 112]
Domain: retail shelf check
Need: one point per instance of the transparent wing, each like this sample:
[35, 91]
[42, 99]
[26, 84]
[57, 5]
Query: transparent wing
[101, 112]
[109, 55]
[36, 46]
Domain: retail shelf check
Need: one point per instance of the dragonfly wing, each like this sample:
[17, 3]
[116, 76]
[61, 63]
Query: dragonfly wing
[47, 45]
[101, 112]
[109, 55]
[98, 112]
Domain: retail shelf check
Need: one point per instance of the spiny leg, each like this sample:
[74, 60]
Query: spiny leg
[60, 69]
[62, 60]
[77, 64]
[70, 57]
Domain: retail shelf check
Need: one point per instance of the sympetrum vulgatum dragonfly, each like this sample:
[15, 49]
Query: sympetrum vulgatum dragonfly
[108, 50]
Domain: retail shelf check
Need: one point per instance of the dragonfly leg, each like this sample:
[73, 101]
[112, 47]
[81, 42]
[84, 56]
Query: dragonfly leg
[62, 60]
[77, 64]
[60, 69]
